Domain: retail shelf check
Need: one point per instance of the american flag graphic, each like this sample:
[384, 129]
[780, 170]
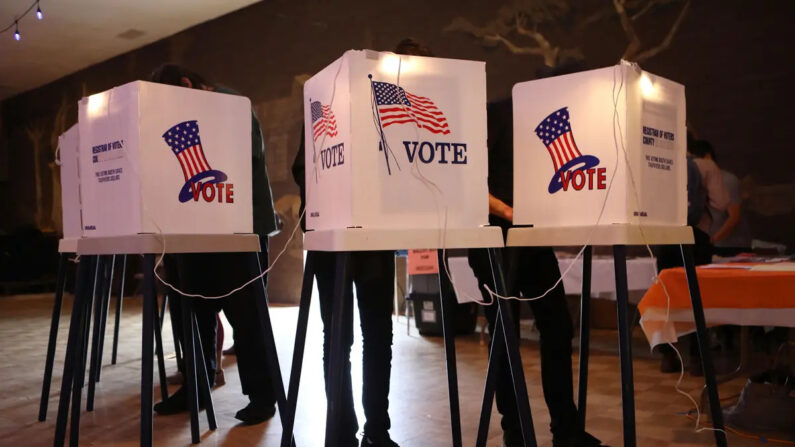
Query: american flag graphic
[323, 120]
[555, 132]
[397, 106]
[187, 146]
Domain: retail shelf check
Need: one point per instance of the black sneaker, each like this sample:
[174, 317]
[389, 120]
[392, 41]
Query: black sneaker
[256, 412]
[380, 441]
[176, 403]
[512, 438]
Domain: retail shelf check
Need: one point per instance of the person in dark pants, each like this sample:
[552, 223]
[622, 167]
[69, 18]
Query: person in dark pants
[530, 272]
[213, 274]
[373, 272]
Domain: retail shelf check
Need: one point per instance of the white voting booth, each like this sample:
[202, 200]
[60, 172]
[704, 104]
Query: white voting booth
[68, 144]
[164, 159]
[570, 137]
[395, 142]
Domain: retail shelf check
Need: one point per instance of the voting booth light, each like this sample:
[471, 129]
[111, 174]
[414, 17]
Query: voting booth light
[573, 133]
[395, 142]
[162, 159]
[68, 144]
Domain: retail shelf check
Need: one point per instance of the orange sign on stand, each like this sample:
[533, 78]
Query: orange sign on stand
[423, 262]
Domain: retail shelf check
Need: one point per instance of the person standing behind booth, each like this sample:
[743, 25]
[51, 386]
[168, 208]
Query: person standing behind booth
[729, 233]
[373, 272]
[218, 273]
[530, 271]
[706, 194]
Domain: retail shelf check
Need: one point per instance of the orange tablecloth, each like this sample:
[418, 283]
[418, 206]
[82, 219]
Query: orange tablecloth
[730, 296]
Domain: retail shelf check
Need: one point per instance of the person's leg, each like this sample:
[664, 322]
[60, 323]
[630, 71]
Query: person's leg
[539, 271]
[241, 311]
[219, 347]
[206, 312]
[374, 275]
[325, 276]
[194, 277]
[174, 301]
[504, 392]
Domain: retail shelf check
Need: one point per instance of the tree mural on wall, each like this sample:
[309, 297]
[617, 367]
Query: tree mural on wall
[534, 27]
[43, 136]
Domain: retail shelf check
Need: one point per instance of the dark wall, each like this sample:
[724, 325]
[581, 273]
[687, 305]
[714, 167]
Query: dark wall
[734, 57]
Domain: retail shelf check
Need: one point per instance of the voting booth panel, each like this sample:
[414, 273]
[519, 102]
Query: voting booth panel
[396, 142]
[573, 133]
[165, 159]
[68, 144]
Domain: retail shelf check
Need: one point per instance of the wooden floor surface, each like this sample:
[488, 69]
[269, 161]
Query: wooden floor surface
[419, 410]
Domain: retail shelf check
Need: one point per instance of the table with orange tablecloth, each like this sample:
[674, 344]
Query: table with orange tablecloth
[732, 294]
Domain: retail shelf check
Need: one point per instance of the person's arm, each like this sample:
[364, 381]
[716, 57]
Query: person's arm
[500, 208]
[717, 193]
[731, 223]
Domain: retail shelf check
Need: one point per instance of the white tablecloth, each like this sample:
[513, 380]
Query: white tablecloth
[640, 275]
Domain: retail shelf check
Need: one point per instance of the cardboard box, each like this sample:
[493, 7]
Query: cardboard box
[162, 159]
[68, 144]
[574, 133]
[396, 142]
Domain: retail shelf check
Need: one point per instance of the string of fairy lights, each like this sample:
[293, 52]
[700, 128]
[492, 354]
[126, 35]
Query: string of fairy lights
[15, 24]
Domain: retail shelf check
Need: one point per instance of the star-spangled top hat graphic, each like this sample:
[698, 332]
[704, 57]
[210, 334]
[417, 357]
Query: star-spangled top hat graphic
[556, 133]
[184, 140]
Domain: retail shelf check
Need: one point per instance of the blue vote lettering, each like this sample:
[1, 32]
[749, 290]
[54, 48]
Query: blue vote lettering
[332, 156]
[427, 152]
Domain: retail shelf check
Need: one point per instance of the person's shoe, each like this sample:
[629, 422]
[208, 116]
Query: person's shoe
[256, 412]
[378, 441]
[176, 403]
[581, 439]
[230, 351]
[220, 379]
[512, 438]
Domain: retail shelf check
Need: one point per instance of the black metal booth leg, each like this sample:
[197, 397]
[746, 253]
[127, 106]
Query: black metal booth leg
[189, 356]
[625, 345]
[288, 419]
[74, 340]
[512, 349]
[448, 330]
[703, 345]
[104, 320]
[496, 354]
[118, 311]
[161, 360]
[147, 347]
[203, 377]
[53, 338]
[80, 367]
[272, 355]
[99, 305]
[585, 334]
[336, 361]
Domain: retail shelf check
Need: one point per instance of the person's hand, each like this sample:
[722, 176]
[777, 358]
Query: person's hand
[500, 209]
[508, 214]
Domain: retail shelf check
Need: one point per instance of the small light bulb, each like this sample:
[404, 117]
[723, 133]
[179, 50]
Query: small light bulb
[39, 14]
[17, 34]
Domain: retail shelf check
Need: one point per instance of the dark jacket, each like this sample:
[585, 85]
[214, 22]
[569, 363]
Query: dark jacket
[299, 170]
[265, 220]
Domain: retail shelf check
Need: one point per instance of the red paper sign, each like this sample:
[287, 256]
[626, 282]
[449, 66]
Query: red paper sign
[423, 262]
